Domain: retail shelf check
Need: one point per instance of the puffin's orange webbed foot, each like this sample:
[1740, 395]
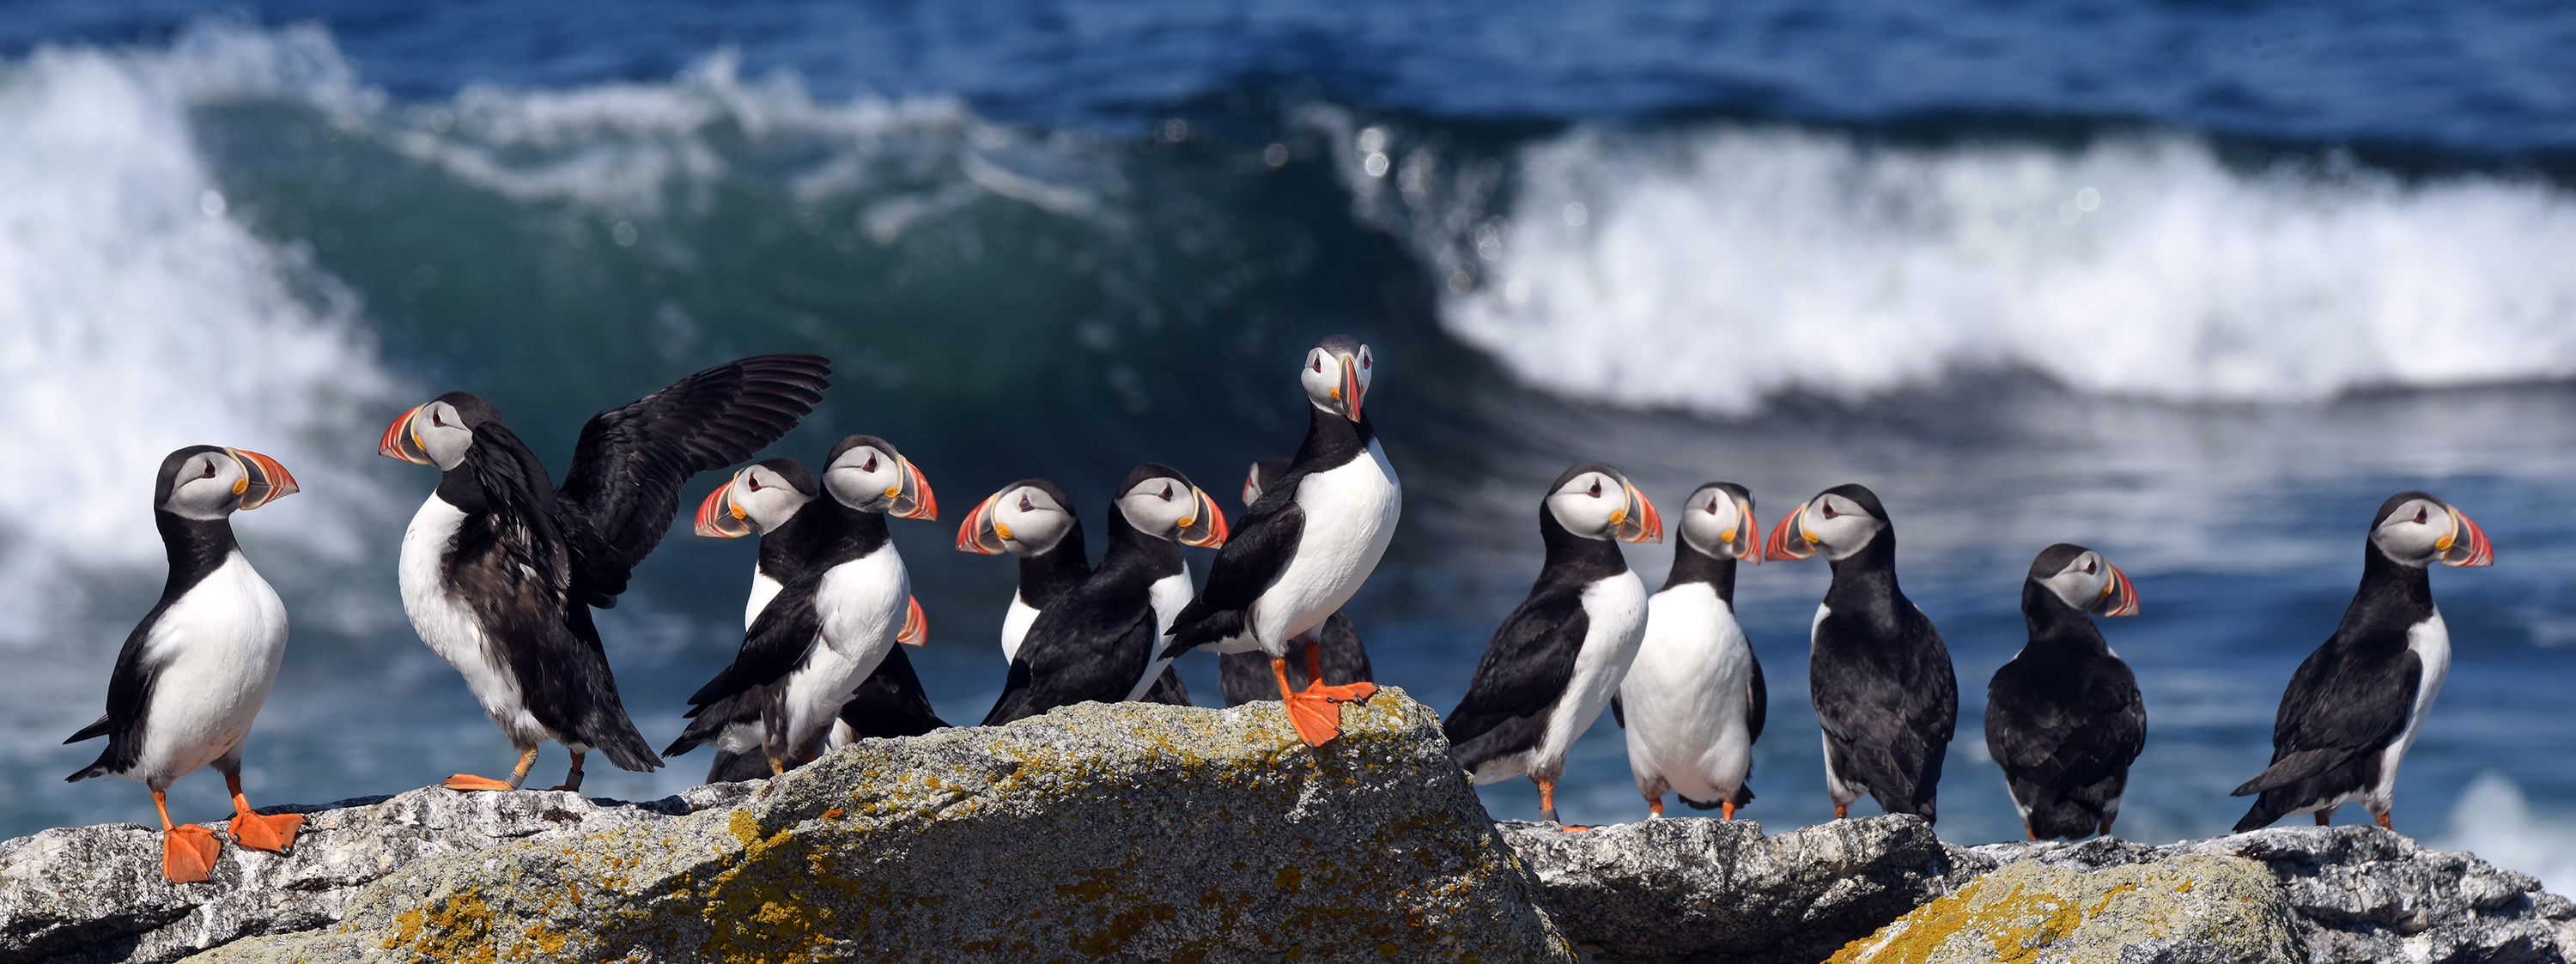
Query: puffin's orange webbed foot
[468, 782]
[188, 853]
[272, 833]
[1318, 719]
[1346, 693]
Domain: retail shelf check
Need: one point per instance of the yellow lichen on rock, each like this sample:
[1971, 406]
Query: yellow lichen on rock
[2196, 908]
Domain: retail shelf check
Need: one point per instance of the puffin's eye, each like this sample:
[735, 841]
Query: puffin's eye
[2421, 515]
[1364, 360]
[1025, 506]
[1829, 510]
[1318, 363]
[210, 471]
[753, 481]
[1167, 492]
[1712, 506]
[871, 466]
[436, 421]
[2090, 567]
[1596, 488]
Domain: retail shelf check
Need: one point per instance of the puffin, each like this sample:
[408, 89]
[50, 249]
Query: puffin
[1097, 641]
[2357, 703]
[1245, 676]
[1562, 653]
[2063, 716]
[195, 671]
[1033, 520]
[500, 568]
[830, 597]
[1306, 546]
[1693, 700]
[891, 703]
[1881, 680]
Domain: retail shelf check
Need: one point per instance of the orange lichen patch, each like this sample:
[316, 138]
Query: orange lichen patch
[454, 928]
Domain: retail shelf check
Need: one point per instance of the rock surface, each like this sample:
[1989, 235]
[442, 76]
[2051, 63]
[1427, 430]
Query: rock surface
[1702, 890]
[1126, 832]
[2361, 894]
[2193, 909]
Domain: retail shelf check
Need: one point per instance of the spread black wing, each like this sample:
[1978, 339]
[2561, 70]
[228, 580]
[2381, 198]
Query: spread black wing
[1887, 707]
[891, 702]
[1525, 670]
[1086, 646]
[2344, 705]
[129, 694]
[624, 482]
[777, 642]
[1253, 556]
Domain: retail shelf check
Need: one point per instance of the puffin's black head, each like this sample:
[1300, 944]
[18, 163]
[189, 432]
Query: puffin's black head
[1717, 520]
[758, 499]
[440, 431]
[1594, 501]
[1159, 501]
[865, 473]
[2414, 528]
[1838, 522]
[2084, 581]
[1337, 375]
[1026, 518]
[209, 482]
[1263, 473]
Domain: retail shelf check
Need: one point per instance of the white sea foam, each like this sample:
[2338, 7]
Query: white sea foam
[137, 315]
[2494, 820]
[1711, 267]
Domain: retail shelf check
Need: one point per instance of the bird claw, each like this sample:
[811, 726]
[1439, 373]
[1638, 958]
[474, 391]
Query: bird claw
[469, 783]
[188, 853]
[1347, 693]
[1318, 719]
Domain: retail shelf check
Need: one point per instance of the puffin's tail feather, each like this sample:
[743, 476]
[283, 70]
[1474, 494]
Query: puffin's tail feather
[1217, 626]
[1742, 795]
[2267, 810]
[2291, 769]
[92, 731]
[732, 767]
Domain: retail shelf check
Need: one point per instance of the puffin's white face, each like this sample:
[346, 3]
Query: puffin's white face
[1717, 522]
[1022, 520]
[1337, 376]
[757, 500]
[1830, 523]
[432, 434]
[871, 479]
[2421, 529]
[1600, 505]
[1169, 508]
[212, 483]
[2090, 583]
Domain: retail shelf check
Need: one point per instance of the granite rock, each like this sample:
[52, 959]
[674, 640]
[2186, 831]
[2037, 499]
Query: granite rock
[1097, 832]
[2190, 909]
[1720, 892]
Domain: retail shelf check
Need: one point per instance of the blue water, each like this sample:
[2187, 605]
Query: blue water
[2194, 284]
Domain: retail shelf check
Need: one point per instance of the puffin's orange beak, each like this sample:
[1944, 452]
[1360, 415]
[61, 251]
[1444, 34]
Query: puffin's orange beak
[1788, 541]
[1640, 523]
[912, 498]
[1748, 534]
[1351, 386]
[2120, 598]
[263, 480]
[401, 442]
[2469, 546]
[916, 627]
[719, 518]
[977, 534]
[1205, 528]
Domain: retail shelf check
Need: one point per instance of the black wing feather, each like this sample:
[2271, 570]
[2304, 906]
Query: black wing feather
[1086, 646]
[779, 640]
[129, 694]
[1887, 706]
[891, 701]
[1253, 557]
[627, 468]
[1759, 706]
[2341, 705]
[1525, 669]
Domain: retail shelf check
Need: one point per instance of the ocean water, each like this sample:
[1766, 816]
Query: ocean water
[2194, 285]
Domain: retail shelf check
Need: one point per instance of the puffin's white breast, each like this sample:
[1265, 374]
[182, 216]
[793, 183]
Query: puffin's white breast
[1350, 514]
[1685, 696]
[448, 625]
[2430, 641]
[1169, 595]
[1015, 626]
[216, 649]
[1615, 612]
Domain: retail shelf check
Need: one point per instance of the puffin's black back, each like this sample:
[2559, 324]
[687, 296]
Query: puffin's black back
[1530, 661]
[2063, 718]
[2351, 697]
[1881, 680]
